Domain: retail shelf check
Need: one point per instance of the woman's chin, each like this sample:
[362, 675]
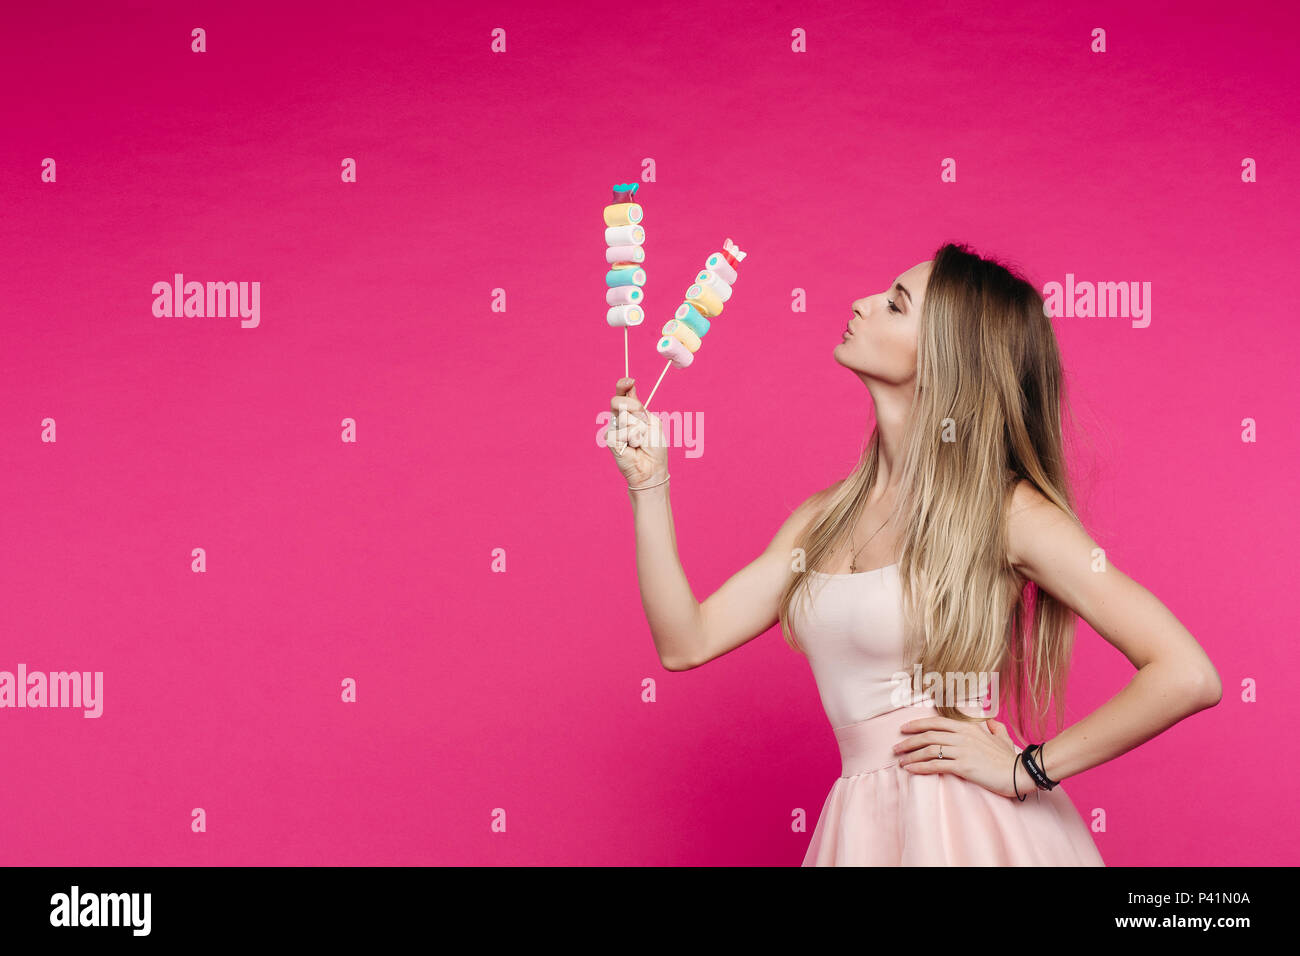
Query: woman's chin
[843, 355]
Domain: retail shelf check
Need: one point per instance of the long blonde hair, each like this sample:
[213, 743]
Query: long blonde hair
[986, 412]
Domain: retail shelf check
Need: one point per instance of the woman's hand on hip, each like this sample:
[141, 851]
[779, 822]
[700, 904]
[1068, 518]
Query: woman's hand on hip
[979, 751]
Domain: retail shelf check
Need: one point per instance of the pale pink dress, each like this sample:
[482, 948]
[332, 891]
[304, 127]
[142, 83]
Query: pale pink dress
[879, 813]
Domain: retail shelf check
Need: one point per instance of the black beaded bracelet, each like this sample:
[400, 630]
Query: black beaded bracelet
[1031, 764]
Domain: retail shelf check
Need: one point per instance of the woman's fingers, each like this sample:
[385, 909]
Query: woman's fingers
[626, 410]
[631, 425]
[631, 431]
[625, 399]
[629, 428]
[624, 425]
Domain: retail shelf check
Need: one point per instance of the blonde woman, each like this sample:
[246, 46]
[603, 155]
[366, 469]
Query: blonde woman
[916, 572]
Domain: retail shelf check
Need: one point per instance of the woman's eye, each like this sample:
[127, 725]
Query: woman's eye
[892, 307]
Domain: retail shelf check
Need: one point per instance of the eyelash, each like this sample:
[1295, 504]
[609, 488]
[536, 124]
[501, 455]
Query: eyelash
[892, 307]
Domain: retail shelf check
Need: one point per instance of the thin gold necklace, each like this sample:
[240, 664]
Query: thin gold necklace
[853, 556]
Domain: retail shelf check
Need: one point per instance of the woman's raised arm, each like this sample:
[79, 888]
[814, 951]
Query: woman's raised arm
[686, 632]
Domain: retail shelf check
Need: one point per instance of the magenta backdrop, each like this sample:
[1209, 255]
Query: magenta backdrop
[476, 429]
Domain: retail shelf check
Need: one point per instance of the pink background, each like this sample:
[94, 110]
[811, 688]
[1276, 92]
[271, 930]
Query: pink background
[476, 430]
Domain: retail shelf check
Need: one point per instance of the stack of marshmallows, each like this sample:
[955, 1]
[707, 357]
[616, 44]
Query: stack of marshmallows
[624, 252]
[704, 299]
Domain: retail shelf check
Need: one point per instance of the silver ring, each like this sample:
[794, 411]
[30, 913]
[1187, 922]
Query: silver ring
[941, 756]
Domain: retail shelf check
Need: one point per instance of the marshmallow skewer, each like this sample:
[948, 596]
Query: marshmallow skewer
[624, 253]
[682, 334]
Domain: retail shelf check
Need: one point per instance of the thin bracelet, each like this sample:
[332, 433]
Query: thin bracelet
[1041, 780]
[1042, 765]
[644, 487]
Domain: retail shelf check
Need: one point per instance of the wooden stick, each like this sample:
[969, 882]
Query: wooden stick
[646, 404]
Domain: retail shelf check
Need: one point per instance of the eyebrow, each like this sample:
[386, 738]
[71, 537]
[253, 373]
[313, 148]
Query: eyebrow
[900, 285]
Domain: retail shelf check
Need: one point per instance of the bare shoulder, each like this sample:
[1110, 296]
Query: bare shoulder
[1037, 527]
[1025, 495]
[815, 502]
[805, 515]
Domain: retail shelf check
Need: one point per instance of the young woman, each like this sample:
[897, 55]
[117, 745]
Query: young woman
[920, 565]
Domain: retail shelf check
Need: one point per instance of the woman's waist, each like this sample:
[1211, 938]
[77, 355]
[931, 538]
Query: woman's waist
[868, 744]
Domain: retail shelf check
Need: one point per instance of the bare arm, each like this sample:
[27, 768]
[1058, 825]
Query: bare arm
[1174, 678]
[688, 633]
